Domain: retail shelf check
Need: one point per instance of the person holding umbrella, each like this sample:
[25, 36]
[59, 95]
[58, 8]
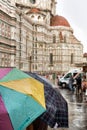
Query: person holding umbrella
[30, 127]
[78, 83]
[37, 125]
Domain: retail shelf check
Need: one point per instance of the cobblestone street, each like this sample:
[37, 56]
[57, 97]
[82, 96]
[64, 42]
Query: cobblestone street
[77, 111]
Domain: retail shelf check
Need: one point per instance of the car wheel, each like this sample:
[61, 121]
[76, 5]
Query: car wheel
[63, 85]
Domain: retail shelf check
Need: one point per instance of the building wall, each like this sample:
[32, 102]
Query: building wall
[7, 34]
[24, 38]
[34, 45]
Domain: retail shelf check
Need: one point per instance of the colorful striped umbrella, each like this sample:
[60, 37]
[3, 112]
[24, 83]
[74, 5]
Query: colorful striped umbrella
[21, 96]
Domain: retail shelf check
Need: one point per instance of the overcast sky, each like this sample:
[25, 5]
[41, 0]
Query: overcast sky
[75, 11]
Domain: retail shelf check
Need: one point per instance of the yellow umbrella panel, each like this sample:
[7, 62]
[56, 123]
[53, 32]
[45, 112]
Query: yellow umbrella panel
[28, 86]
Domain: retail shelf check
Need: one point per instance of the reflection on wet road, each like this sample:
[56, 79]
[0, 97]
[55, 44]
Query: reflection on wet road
[77, 110]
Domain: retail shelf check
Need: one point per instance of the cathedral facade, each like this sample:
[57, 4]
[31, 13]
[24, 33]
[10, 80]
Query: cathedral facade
[34, 38]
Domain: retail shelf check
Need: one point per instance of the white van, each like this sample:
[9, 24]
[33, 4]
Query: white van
[64, 81]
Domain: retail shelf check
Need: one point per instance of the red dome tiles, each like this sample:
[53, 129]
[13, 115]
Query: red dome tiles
[59, 21]
[34, 10]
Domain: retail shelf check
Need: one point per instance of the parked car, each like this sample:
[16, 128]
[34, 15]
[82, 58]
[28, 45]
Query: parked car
[64, 80]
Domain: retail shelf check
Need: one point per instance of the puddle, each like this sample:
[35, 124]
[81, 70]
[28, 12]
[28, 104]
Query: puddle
[81, 123]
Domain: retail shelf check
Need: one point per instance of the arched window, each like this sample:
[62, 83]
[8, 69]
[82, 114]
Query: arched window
[32, 16]
[51, 58]
[39, 17]
[33, 1]
[36, 67]
[65, 38]
[54, 39]
[60, 36]
[72, 58]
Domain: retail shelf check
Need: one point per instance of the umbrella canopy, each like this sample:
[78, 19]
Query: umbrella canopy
[56, 106]
[4, 115]
[21, 96]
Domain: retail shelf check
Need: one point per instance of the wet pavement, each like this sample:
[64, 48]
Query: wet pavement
[77, 110]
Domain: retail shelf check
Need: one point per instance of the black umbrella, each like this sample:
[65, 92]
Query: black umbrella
[56, 106]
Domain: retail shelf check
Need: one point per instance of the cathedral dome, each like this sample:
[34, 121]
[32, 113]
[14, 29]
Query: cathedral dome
[34, 10]
[59, 21]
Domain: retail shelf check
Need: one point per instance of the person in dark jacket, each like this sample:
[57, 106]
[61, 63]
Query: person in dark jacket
[38, 124]
[79, 84]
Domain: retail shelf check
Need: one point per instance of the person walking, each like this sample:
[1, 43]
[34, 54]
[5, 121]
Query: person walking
[79, 84]
[71, 80]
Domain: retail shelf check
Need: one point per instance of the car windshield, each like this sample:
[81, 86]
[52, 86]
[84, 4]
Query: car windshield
[67, 75]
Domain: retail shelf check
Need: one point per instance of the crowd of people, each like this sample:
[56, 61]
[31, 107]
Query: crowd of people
[75, 82]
